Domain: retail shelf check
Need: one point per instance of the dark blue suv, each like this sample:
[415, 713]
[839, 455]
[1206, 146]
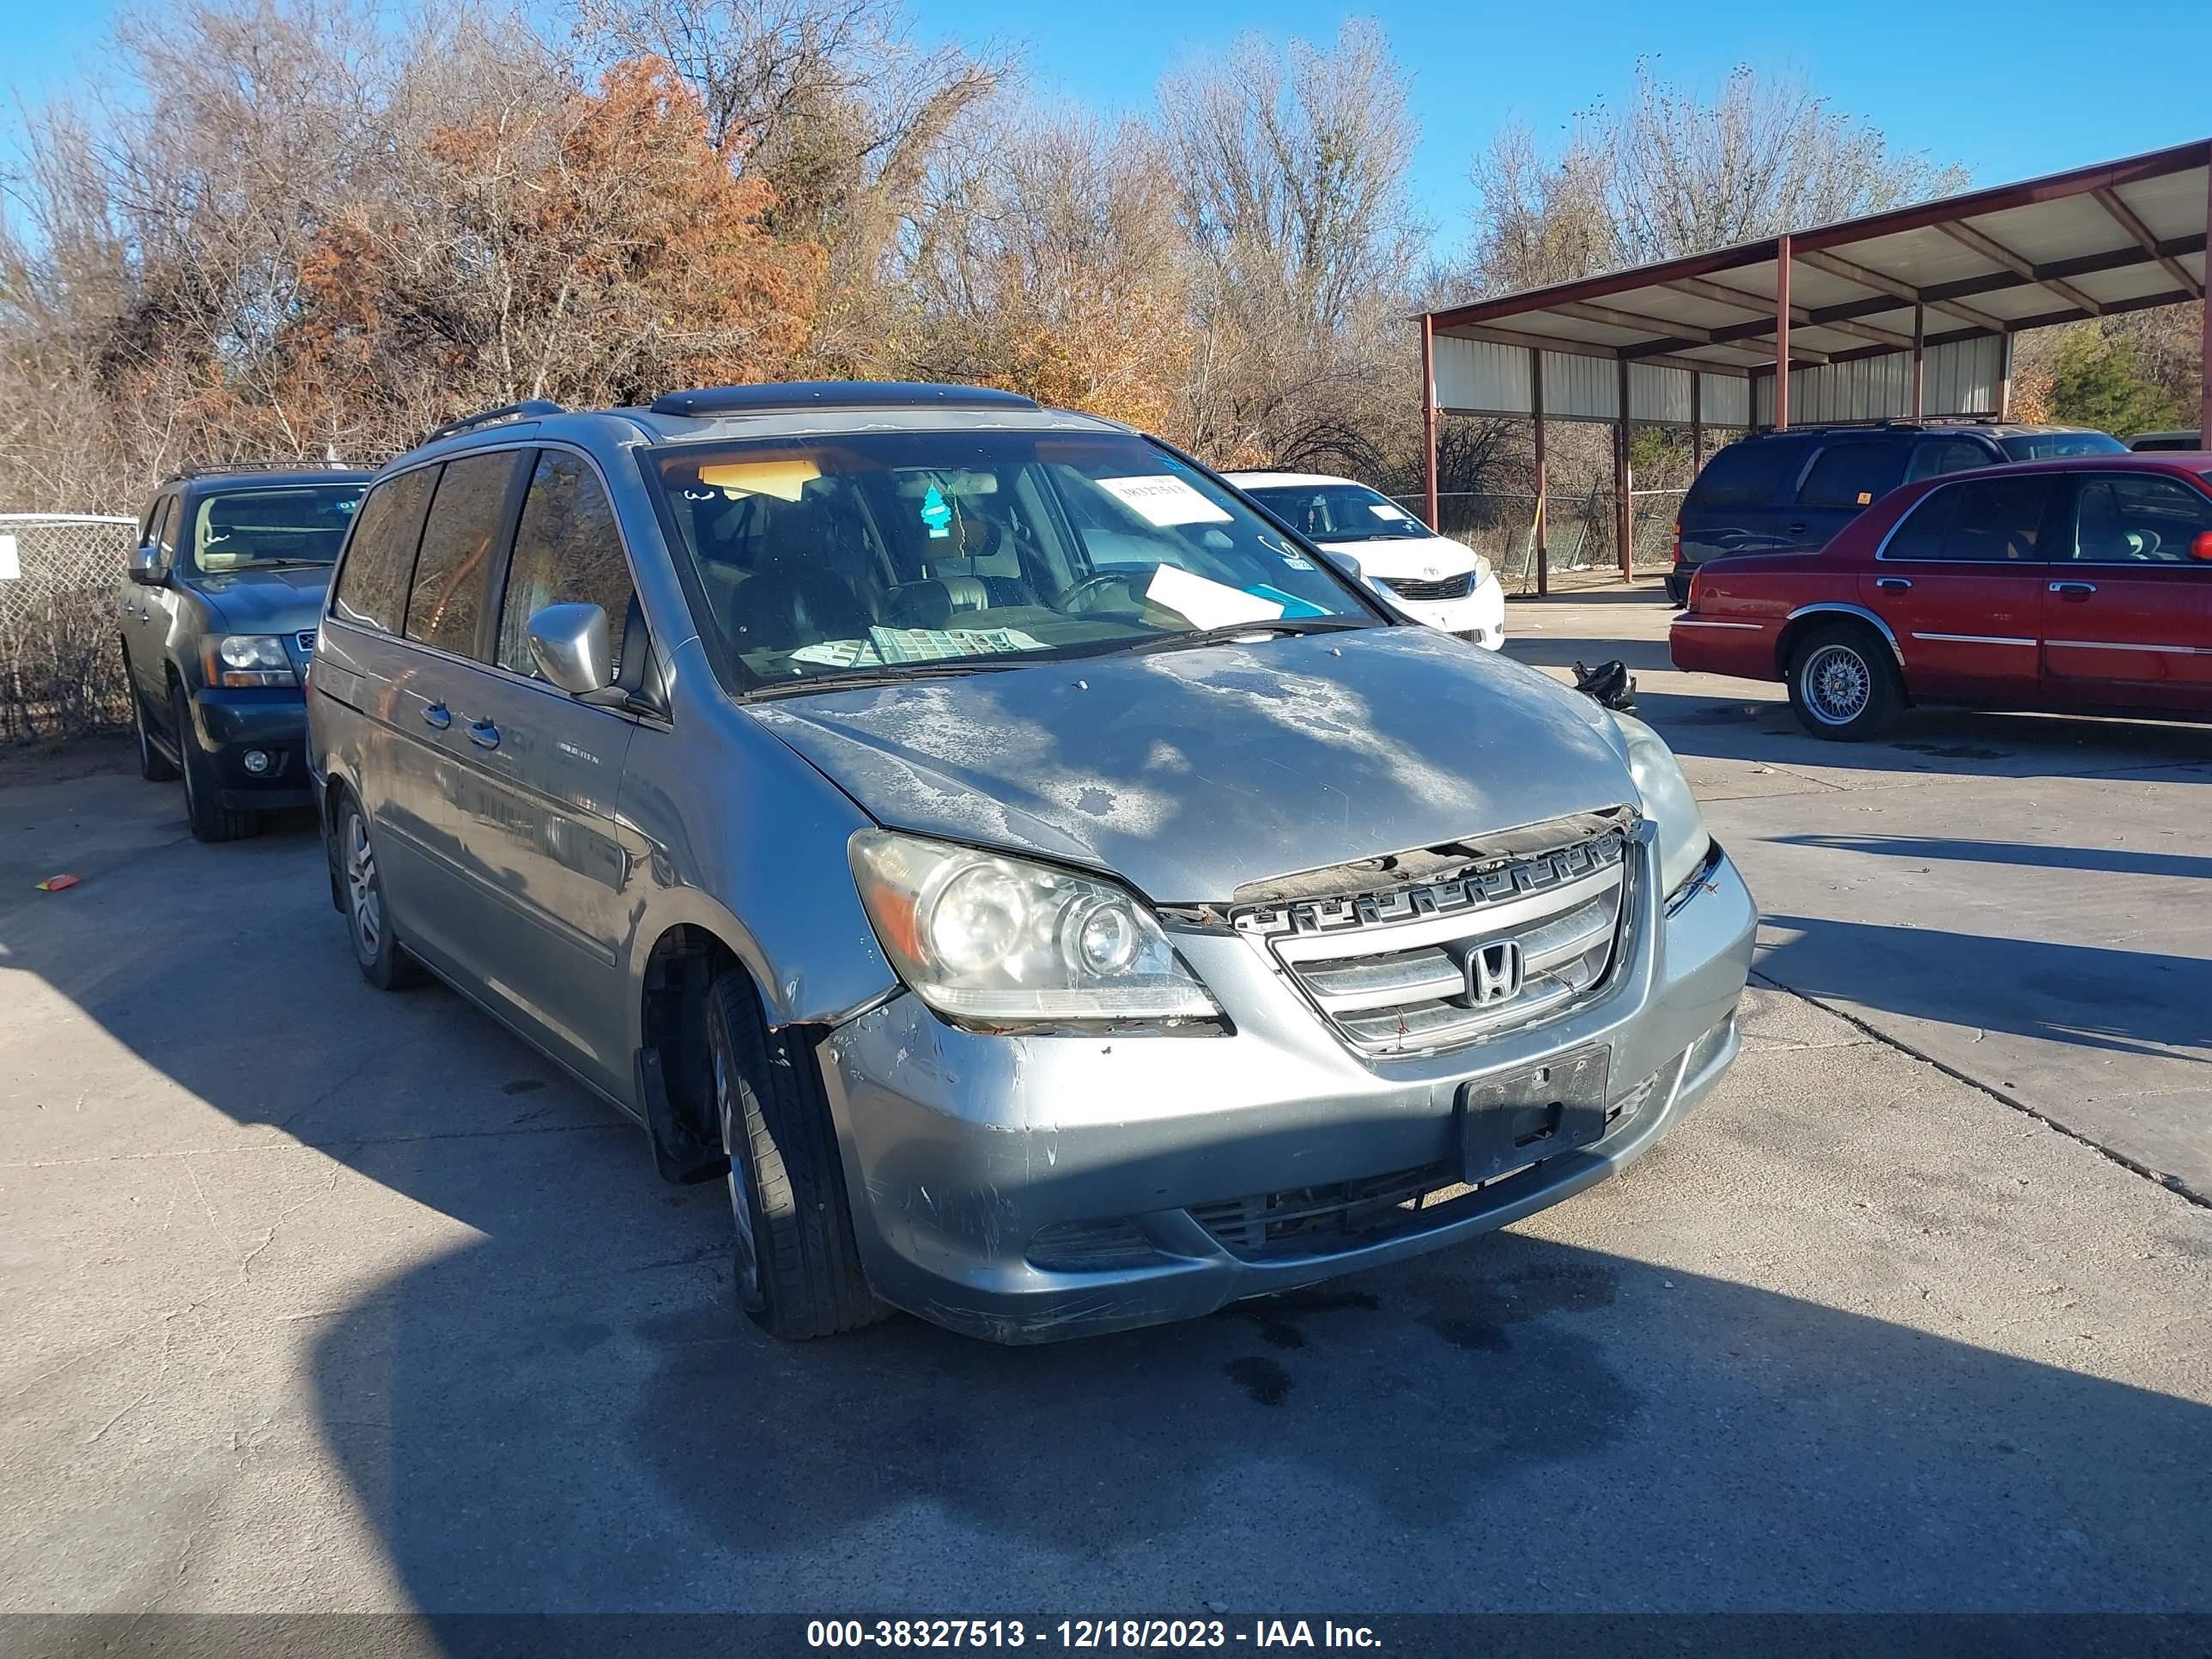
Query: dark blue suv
[1792, 491]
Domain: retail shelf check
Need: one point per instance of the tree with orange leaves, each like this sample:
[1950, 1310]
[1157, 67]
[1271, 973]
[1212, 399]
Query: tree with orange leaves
[593, 249]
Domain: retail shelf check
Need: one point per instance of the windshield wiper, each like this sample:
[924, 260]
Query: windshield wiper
[286, 564]
[887, 674]
[1279, 625]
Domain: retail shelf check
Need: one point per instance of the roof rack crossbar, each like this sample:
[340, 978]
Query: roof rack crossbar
[834, 394]
[523, 410]
[218, 468]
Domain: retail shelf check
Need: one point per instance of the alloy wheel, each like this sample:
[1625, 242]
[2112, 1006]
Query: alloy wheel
[732, 1112]
[364, 901]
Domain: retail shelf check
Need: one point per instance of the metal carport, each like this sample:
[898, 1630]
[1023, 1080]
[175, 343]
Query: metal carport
[1899, 315]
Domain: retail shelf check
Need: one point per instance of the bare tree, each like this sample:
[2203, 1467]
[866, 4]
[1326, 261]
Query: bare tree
[1676, 172]
[1291, 168]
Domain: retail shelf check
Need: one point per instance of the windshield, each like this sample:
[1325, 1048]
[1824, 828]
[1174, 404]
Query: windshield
[2049, 445]
[882, 553]
[1339, 512]
[284, 524]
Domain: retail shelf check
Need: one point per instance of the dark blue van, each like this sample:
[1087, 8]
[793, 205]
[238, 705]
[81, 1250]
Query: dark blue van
[1778, 492]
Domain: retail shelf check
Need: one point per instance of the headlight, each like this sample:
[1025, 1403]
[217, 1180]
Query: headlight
[1482, 571]
[1667, 802]
[982, 937]
[249, 660]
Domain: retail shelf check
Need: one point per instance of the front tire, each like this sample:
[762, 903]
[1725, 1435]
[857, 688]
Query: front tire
[383, 961]
[1844, 685]
[153, 765]
[211, 821]
[798, 1267]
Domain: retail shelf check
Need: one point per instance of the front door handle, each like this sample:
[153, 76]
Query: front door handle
[1796, 529]
[483, 734]
[1893, 584]
[2074, 591]
[436, 716]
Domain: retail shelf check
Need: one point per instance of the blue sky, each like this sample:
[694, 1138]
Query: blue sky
[2008, 90]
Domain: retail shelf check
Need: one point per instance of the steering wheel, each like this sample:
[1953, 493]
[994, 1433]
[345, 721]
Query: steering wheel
[1083, 598]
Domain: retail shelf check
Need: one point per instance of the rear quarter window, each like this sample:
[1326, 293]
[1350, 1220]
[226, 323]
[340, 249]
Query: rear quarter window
[1755, 472]
[379, 557]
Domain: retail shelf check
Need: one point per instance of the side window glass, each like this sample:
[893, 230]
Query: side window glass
[165, 533]
[1994, 520]
[567, 551]
[453, 574]
[379, 558]
[1848, 475]
[1747, 473]
[1933, 457]
[2140, 520]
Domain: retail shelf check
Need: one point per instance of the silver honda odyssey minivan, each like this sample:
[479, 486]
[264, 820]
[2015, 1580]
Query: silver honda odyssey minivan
[1056, 896]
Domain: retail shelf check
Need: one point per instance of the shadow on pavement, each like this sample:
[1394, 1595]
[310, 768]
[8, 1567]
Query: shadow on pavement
[2026, 855]
[2142, 1002]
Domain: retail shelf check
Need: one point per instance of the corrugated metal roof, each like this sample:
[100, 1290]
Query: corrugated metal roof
[2117, 237]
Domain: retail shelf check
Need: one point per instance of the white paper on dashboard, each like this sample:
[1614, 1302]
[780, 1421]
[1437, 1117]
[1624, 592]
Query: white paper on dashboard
[1206, 604]
[11, 566]
[1164, 499]
[1387, 510]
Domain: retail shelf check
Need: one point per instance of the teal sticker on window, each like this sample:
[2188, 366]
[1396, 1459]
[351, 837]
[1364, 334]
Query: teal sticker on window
[936, 515]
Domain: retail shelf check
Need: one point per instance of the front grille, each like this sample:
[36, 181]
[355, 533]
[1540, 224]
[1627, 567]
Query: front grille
[1447, 587]
[1305, 1220]
[1445, 962]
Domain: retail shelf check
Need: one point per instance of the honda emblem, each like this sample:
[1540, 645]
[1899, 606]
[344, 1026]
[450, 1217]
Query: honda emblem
[1493, 974]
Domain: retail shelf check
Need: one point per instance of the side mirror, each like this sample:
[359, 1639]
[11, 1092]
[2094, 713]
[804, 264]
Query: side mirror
[145, 566]
[570, 644]
[2201, 549]
[1345, 565]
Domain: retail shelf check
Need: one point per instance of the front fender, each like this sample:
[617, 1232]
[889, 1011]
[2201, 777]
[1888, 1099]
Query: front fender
[747, 842]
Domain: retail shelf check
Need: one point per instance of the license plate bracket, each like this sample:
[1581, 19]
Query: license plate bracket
[1533, 1113]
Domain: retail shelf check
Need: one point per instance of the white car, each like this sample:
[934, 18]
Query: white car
[1431, 578]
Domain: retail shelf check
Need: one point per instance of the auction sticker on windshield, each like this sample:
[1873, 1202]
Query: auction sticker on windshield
[1164, 499]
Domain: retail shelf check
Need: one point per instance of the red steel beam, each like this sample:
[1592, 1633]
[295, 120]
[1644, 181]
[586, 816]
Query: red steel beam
[1782, 334]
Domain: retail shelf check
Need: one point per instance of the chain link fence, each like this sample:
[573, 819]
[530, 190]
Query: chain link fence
[61, 671]
[1581, 542]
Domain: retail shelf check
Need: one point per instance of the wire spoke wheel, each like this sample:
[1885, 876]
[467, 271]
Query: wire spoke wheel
[1836, 684]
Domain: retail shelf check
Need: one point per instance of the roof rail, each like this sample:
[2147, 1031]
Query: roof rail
[526, 409]
[835, 394]
[184, 473]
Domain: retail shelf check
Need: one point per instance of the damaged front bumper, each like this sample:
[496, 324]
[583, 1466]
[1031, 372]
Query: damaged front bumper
[1026, 1189]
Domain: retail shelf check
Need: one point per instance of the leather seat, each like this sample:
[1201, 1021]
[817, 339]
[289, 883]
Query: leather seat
[794, 597]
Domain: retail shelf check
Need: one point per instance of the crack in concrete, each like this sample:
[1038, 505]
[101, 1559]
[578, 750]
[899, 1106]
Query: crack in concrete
[2172, 1183]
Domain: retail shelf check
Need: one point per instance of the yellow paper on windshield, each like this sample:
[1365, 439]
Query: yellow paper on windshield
[783, 479]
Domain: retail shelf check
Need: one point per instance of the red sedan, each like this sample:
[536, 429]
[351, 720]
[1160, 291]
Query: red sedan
[2081, 584]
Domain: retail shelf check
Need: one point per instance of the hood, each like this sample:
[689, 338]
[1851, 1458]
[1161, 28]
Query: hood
[1190, 774]
[1423, 559]
[266, 601]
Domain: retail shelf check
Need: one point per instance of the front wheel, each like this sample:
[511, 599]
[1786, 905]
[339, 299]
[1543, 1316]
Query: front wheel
[153, 765]
[798, 1267]
[203, 809]
[1844, 685]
